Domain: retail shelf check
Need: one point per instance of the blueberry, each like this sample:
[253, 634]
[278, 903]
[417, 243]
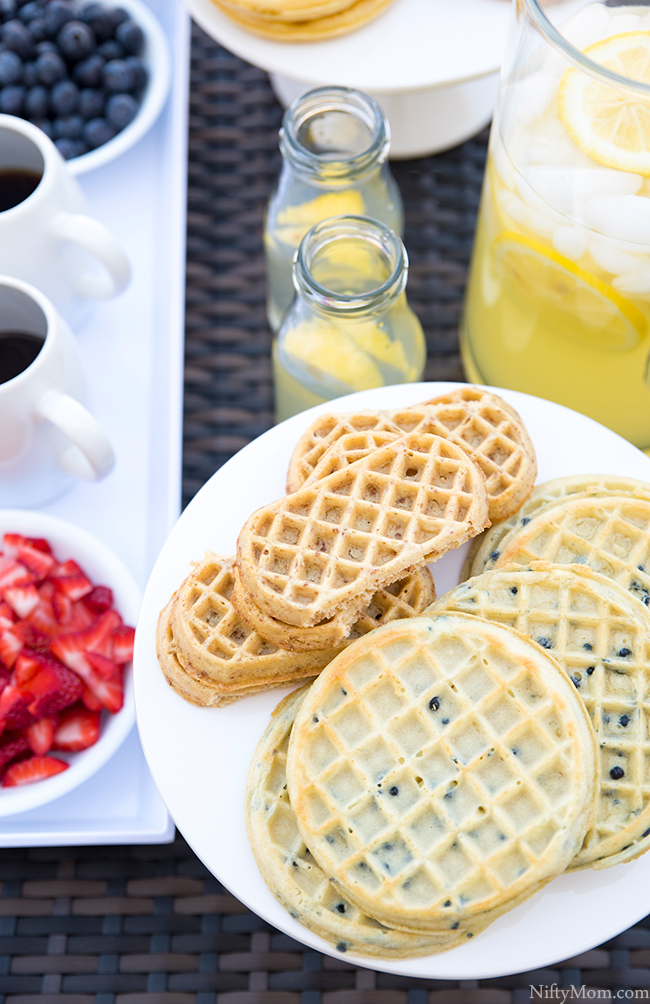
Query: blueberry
[99, 19]
[57, 13]
[91, 103]
[17, 37]
[44, 125]
[130, 35]
[37, 29]
[69, 148]
[616, 773]
[139, 71]
[12, 99]
[64, 98]
[76, 40]
[46, 46]
[8, 9]
[11, 68]
[30, 76]
[111, 49]
[117, 75]
[118, 14]
[120, 110]
[37, 102]
[29, 11]
[88, 73]
[97, 132]
[68, 127]
[50, 68]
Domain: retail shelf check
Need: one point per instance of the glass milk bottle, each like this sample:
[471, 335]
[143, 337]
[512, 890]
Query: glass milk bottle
[334, 143]
[350, 326]
[558, 301]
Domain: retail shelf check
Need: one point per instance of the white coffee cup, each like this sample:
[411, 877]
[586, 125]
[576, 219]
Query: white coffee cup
[47, 239]
[47, 436]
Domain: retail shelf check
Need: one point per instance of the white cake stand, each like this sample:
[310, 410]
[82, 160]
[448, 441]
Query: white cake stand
[433, 65]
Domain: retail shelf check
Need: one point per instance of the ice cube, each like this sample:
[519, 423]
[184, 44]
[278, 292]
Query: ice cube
[611, 258]
[636, 283]
[503, 164]
[566, 189]
[623, 217]
[570, 241]
[587, 26]
[513, 206]
[524, 99]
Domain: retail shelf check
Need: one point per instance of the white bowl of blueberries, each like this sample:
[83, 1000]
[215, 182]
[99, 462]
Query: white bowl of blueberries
[94, 75]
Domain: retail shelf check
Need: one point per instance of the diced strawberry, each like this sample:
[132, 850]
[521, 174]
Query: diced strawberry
[7, 616]
[77, 729]
[89, 700]
[37, 561]
[12, 573]
[26, 666]
[10, 645]
[43, 618]
[71, 579]
[104, 667]
[109, 692]
[13, 541]
[22, 599]
[16, 714]
[123, 638]
[40, 735]
[12, 747]
[99, 598]
[62, 607]
[32, 638]
[36, 768]
[53, 688]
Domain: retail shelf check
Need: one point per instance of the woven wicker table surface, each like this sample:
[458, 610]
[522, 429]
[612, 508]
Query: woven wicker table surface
[129, 925]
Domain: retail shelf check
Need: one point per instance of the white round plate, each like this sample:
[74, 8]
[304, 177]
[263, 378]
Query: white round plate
[103, 568]
[156, 58]
[199, 757]
[413, 44]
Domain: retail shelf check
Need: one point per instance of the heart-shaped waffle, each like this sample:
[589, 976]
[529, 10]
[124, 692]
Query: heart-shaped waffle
[331, 545]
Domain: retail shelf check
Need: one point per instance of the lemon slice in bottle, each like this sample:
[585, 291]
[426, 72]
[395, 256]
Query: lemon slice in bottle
[326, 349]
[608, 122]
[293, 222]
[567, 299]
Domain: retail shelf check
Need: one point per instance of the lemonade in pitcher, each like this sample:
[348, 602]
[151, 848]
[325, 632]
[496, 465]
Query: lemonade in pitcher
[558, 301]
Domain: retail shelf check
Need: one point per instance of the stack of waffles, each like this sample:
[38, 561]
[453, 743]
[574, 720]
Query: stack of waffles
[373, 499]
[443, 769]
[301, 20]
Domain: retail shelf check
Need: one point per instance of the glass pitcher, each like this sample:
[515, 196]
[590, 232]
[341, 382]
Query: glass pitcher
[558, 299]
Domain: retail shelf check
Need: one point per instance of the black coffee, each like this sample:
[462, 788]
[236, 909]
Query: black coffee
[16, 185]
[18, 350]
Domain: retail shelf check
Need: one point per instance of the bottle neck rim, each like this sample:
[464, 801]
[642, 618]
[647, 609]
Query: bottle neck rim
[383, 241]
[334, 166]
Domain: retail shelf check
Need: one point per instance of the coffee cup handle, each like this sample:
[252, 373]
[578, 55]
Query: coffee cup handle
[89, 455]
[100, 242]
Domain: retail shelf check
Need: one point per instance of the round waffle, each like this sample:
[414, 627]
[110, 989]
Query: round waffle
[332, 544]
[347, 449]
[286, 10]
[292, 874]
[481, 423]
[442, 770]
[340, 22]
[600, 636]
[609, 533]
[485, 549]
[407, 597]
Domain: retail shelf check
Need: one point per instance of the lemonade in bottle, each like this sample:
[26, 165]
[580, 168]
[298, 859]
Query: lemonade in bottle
[334, 143]
[350, 327]
[558, 299]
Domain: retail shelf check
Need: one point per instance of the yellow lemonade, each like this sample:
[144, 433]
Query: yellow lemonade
[558, 301]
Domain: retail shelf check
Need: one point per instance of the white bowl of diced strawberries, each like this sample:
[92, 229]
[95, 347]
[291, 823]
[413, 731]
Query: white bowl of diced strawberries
[68, 607]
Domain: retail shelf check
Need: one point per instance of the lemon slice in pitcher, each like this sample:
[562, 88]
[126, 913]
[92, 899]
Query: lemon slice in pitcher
[611, 123]
[565, 298]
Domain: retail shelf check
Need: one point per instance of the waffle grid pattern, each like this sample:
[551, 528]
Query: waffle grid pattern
[396, 722]
[597, 634]
[359, 529]
[610, 535]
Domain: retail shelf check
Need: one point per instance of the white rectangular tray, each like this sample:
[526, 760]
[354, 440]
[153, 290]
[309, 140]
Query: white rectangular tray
[132, 351]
